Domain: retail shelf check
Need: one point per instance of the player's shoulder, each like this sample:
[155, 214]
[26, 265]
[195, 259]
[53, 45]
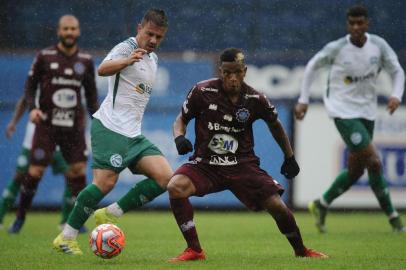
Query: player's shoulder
[154, 57]
[208, 86]
[253, 94]
[336, 44]
[84, 55]
[48, 51]
[377, 40]
[130, 42]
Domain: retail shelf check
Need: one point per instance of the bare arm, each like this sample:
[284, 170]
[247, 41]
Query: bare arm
[179, 127]
[19, 110]
[183, 145]
[111, 67]
[280, 136]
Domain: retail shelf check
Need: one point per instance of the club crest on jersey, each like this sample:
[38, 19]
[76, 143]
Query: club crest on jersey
[373, 60]
[54, 65]
[79, 68]
[143, 88]
[116, 160]
[242, 115]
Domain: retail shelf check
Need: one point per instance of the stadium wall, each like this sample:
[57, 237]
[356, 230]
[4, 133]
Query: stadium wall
[279, 76]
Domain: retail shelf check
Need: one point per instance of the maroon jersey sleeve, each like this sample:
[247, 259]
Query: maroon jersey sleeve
[31, 84]
[266, 110]
[192, 105]
[89, 85]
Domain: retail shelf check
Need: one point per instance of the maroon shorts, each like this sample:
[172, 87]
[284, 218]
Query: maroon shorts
[247, 181]
[71, 142]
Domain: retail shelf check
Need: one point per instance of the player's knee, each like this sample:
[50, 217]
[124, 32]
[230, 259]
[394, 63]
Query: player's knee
[76, 170]
[374, 165]
[178, 188]
[36, 171]
[355, 174]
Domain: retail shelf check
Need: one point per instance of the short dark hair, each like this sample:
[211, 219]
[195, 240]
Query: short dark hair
[156, 16]
[232, 55]
[357, 11]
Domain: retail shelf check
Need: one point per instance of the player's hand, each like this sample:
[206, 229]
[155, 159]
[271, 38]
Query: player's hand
[10, 129]
[290, 168]
[183, 145]
[36, 116]
[300, 110]
[393, 104]
[136, 56]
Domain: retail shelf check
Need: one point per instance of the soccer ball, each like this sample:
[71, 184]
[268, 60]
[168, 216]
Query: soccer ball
[107, 241]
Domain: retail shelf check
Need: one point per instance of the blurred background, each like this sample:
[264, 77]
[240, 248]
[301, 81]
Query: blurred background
[279, 37]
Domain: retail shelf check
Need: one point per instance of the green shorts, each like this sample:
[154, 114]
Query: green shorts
[59, 165]
[357, 133]
[116, 152]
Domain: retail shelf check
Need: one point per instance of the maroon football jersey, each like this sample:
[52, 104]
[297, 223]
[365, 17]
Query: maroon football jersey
[60, 78]
[224, 130]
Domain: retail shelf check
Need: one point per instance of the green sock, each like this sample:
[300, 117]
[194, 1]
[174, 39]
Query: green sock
[86, 202]
[8, 197]
[67, 204]
[140, 194]
[380, 188]
[341, 184]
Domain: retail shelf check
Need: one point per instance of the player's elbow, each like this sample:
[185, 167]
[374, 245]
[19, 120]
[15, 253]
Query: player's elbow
[102, 71]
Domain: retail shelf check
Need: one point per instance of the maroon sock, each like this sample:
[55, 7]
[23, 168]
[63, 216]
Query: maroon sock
[28, 188]
[183, 212]
[19, 177]
[287, 225]
[76, 184]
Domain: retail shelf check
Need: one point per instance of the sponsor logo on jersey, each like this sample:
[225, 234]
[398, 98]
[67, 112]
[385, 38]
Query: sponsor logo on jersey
[63, 81]
[213, 107]
[143, 88]
[247, 96]
[217, 126]
[223, 160]
[79, 68]
[68, 71]
[54, 65]
[356, 138]
[242, 115]
[116, 160]
[348, 79]
[65, 98]
[228, 117]
[209, 89]
[223, 144]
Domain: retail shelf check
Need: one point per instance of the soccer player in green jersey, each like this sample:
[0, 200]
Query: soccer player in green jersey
[116, 139]
[355, 62]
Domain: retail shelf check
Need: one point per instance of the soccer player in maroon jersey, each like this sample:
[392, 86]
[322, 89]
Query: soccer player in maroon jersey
[224, 110]
[59, 72]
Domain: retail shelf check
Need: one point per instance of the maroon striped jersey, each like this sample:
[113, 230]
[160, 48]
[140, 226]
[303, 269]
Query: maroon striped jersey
[224, 130]
[59, 78]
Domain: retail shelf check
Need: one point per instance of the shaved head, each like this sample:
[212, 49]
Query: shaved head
[68, 19]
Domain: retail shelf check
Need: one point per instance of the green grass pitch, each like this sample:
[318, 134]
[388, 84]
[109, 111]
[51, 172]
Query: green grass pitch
[232, 240]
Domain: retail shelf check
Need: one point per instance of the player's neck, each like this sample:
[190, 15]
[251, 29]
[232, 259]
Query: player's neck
[359, 42]
[67, 51]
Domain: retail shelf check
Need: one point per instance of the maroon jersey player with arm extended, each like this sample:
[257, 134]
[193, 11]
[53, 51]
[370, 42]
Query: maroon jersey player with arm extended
[224, 110]
[59, 72]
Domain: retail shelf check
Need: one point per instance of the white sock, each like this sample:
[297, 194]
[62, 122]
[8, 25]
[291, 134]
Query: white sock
[395, 214]
[69, 232]
[115, 210]
[323, 202]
